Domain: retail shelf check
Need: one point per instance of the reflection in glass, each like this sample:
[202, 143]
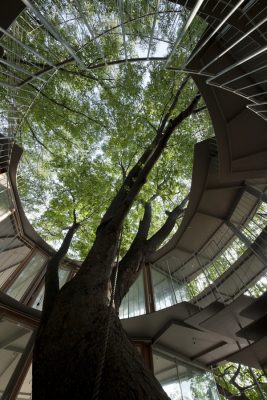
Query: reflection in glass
[173, 390]
[182, 381]
[63, 275]
[6, 274]
[133, 303]
[218, 267]
[26, 276]
[25, 392]
[5, 203]
[38, 302]
[14, 338]
[196, 384]
[167, 291]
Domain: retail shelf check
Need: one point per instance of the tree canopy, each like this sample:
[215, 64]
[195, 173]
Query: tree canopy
[88, 125]
[87, 128]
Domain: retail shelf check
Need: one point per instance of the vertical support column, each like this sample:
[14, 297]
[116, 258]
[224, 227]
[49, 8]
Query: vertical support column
[202, 269]
[16, 380]
[145, 349]
[17, 271]
[149, 295]
[172, 286]
[255, 192]
[207, 278]
[258, 253]
[257, 383]
[179, 380]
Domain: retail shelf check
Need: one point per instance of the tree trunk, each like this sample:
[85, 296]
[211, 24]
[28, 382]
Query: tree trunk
[69, 349]
[69, 346]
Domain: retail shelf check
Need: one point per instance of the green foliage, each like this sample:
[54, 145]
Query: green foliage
[87, 127]
[239, 380]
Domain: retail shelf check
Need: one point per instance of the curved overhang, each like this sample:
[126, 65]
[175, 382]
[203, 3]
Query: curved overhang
[212, 202]
[29, 232]
[240, 133]
[199, 177]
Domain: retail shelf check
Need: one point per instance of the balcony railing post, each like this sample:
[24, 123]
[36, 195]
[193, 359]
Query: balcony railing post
[257, 383]
[256, 193]
[12, 388]
[258, 253]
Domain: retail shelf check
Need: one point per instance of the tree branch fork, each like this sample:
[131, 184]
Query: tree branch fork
[100, 259]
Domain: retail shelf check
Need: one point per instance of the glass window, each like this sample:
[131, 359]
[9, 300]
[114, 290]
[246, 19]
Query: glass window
[63, 275]
[133, 303]
[14, 338]
[258, 288]
[167, 291]
[26, 276]
[196, 384]
[38, 302]
[5, 275]
[220, 265]
[173, 390]
[182, 381]
[4, 199]
[5, 203]
[25, 392]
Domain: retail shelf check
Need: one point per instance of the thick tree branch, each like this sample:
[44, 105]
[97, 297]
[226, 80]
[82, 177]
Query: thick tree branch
[51, 276]
[141, 248]
[80, 74]
[158, 238]
[130, 265]
[237, 371]
[139, 181]
[143, 166]
[138, 175]
[110, 226]
[200, 109]
[174, 102]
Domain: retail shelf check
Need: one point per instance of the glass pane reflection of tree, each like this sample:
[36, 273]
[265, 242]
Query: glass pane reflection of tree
[182, 381]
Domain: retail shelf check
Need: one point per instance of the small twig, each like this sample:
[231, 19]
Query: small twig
[36, 138]
[199, 109]
[150, 124]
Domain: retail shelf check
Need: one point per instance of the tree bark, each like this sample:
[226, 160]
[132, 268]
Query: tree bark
[67, 359]
[51, 275]
[141, 250]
